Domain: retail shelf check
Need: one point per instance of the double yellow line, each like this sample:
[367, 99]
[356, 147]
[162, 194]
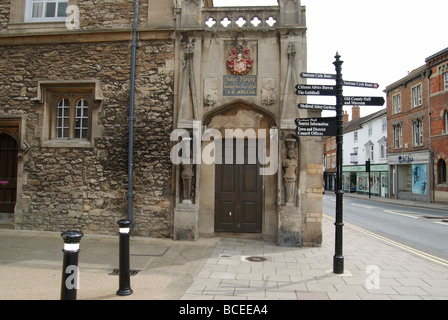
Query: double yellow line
[402, 246]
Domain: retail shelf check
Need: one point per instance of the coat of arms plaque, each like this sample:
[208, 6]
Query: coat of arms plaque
[239, 61]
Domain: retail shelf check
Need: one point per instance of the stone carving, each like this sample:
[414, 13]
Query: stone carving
[210, 92]
[239, 61]
[290, 166]
[268, 96]
[187, 178]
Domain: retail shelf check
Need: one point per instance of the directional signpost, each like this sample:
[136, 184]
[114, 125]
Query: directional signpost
[315, 90]
[316, 126]
[317, 75]
[333, 127]
[364, 101]
[361, 84]
[316, 106]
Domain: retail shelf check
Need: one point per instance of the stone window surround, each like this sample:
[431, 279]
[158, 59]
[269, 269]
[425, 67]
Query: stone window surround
[45, 90]
[18, 19]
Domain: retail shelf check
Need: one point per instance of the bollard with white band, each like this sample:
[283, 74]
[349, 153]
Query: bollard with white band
[125, 272]
[70, 273]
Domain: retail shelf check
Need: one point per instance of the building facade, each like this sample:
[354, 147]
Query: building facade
[409, 155]
[365, 139]
[437, 65]
[182, 121]
[330, 164]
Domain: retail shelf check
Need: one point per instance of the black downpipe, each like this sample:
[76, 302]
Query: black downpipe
[131, 114]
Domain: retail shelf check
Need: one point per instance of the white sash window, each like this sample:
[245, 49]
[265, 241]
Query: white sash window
[46, 10]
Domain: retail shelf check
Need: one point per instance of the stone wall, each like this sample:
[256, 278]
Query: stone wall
[86, 188]
[101, 14]
[4, 15]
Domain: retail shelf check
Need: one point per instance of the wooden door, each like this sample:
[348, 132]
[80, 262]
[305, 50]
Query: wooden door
[238, 197]
[8, 173]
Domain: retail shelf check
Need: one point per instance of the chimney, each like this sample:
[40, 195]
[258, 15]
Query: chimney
[356, 113]
[345, 117]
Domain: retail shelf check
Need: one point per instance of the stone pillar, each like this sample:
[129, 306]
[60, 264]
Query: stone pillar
[291, 12]
[191, 15]
[289, 213]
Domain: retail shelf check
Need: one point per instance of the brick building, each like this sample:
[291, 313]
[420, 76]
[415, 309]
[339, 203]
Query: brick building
[438, 101]
[75, 156]
[408, 123]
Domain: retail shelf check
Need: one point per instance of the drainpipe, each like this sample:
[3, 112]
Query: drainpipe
[131, 114]
[431, 152]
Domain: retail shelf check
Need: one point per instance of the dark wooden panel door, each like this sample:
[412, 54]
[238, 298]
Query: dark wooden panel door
[8, 173]
[238, 197]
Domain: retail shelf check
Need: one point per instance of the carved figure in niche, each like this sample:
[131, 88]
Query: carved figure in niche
[210, 92]
[290, 165]
[267, 92]
[187, 178]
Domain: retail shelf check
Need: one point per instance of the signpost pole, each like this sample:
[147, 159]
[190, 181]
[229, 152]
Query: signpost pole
[338, 258]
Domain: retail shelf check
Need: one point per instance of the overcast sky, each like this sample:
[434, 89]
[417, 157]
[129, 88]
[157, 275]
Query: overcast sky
[379, 41]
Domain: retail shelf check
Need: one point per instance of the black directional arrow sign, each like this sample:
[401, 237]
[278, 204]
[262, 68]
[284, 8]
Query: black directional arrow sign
[316, 106]
[361, 84]
[364, 101]
[316, 127]
[317, 75]
[315, 90]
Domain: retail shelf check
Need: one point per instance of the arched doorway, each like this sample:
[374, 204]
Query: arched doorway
[242, 196]
[8, 173]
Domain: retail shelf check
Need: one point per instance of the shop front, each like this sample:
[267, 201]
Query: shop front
[357, 180]
[410, 178]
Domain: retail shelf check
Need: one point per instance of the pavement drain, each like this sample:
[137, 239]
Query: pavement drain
[115, 272]
[256, 259]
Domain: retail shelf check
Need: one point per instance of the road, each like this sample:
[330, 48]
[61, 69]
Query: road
[404, 224]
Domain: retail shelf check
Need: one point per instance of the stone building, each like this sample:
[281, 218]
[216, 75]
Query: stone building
[182, 121]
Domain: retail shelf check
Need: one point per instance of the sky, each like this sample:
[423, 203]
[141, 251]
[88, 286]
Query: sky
[380, 41]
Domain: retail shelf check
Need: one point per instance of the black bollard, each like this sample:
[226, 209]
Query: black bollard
[70, 274]
[125, 272]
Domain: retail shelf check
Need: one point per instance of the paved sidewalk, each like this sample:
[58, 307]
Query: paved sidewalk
[374, 269]
[217, 268]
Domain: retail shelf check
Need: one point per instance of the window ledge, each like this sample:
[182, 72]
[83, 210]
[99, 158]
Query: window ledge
[67, 143]
[23, 27]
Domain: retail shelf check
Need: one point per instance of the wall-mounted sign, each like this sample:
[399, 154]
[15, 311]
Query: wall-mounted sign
[239, 85]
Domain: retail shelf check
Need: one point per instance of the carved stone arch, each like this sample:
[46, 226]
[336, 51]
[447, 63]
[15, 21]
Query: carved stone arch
[269, 120]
